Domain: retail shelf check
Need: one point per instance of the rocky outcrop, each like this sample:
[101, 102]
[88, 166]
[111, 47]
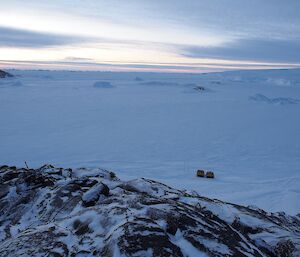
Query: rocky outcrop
[4, 74]
[90, 212]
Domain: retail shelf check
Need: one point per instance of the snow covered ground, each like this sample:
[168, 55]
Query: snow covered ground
[244, 125]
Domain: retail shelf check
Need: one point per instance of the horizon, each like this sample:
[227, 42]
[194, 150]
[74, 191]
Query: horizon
[142, 36]
[39, 69]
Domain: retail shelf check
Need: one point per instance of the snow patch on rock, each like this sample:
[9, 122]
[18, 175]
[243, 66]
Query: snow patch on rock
[90, 197]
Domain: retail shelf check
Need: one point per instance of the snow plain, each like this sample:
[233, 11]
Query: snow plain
[244, 125]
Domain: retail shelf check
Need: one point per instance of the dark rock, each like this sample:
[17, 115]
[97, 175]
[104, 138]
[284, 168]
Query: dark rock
[4, 189]
[172, 224]
[285, 248]
[37, 179]
[3, 167]
[81, 228]
[85, 182]
[244, 228]
[141, 234]
[199, 88]
[10, 175]
[112, 175]
[44, 212]
[4, 74]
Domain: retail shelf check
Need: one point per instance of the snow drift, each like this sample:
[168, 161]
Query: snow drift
[277, 100]
[103, 84]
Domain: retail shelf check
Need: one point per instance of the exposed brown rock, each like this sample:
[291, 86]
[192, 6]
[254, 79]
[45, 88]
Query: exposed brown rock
[52, 212]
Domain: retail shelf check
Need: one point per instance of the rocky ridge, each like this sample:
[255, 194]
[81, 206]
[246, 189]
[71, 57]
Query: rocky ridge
[90, 212]
[4, 74]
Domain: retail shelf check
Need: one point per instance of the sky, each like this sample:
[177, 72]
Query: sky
[144, 35]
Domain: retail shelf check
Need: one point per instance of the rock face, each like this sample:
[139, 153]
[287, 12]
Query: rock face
[4, 74]
[90, 212]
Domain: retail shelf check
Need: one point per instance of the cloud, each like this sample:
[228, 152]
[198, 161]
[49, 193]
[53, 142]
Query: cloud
[146, 67]
[10, 37]
[77, 59]
[93, 66]
[250, 49]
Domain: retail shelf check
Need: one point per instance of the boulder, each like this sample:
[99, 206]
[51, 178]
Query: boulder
[91, 197]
